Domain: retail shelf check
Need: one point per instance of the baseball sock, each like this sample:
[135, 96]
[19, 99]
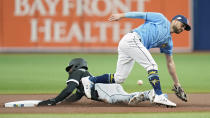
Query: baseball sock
[155, 81]
[105, 78]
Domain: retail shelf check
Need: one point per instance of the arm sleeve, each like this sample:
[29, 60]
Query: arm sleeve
[66, 92]
[148, 16]
[141, 15]
[75, 97]
[155, 17]
[167, 50]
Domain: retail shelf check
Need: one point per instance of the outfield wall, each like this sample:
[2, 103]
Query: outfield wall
[201, 25]
[78, 25]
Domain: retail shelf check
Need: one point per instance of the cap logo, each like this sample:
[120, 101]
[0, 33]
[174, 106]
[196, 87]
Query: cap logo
[179, 18]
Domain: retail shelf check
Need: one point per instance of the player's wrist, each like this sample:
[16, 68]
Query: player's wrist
[177, 84]
[121, 15]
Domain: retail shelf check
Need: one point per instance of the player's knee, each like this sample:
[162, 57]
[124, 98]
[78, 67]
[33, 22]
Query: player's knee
[152, 67]
[119, 80]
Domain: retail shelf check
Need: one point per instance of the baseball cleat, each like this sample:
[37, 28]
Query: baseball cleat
[162, 100]
[136, 99]
[151, 95]
[87, 86]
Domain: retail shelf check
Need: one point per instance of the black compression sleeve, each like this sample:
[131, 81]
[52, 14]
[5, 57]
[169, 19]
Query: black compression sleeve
[66, 92]
[75, 97]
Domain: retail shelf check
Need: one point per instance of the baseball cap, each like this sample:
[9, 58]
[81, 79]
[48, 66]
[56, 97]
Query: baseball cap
[184, 20]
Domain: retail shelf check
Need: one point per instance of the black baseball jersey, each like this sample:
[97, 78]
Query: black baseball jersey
[74, 82]
[76, 77]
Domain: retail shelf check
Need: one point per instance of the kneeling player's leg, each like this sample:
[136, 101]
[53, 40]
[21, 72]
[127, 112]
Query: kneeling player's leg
[105, 78]
[112, 93]
[89, 81]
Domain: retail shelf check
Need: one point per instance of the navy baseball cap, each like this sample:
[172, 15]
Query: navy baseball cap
[184, 20]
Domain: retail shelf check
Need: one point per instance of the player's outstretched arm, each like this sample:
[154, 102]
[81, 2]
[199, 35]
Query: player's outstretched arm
[179, 91]
[139, 15]
[74, 97]
[172, 69]
[65, 92]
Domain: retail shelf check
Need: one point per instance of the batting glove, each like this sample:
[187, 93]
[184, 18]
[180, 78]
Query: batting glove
[49, 102]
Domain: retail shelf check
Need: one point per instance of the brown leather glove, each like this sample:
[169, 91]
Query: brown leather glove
[180, 93]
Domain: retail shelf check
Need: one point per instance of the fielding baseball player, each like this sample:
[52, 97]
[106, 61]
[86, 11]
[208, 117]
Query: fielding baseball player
[110, 93]
[154, 33]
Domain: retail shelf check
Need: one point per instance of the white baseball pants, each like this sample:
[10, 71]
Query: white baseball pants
[130, 49]
[113, 93]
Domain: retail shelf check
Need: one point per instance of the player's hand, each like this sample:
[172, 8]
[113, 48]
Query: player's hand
[49, 102]
[179, 92]
[115, 17]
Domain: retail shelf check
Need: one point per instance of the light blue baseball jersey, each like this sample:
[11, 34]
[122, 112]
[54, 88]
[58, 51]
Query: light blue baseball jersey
[155, 32]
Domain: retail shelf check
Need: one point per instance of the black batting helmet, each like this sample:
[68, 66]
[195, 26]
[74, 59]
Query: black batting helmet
[77, 63]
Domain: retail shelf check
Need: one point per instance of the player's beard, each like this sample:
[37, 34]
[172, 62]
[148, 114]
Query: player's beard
[176, 30]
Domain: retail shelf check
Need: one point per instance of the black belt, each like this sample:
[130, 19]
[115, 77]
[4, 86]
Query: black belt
[94, 94]
[131, 31]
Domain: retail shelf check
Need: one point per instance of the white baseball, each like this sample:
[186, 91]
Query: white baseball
[139, 82]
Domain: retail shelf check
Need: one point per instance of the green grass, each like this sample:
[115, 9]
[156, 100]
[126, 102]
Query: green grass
[127, 115]
[45, 73]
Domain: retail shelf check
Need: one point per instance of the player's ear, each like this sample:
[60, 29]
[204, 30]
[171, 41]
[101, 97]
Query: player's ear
[69, 69]
[174, 22]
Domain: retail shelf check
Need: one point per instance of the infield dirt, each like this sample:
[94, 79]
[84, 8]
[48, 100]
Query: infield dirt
[196, 103]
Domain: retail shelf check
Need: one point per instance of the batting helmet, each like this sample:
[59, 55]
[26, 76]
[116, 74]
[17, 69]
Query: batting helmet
[77, 63]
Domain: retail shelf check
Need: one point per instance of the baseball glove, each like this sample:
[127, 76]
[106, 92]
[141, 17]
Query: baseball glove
[49, 102]
[180, 93]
